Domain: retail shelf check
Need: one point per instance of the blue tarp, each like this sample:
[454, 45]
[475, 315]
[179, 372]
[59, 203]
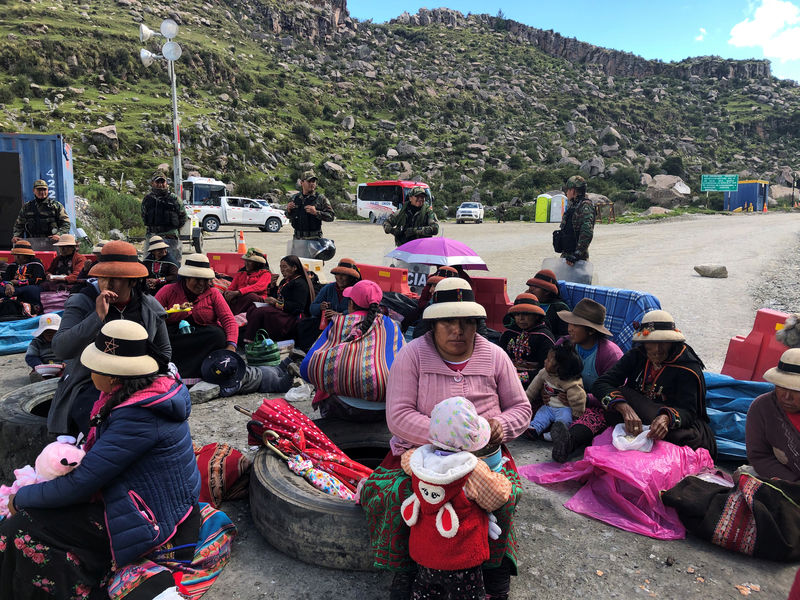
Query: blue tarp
[727, 403]
[16, 335]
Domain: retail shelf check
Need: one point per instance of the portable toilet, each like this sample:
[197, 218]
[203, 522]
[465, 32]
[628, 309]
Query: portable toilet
[558, 204]
[543, 208]
[751, 196]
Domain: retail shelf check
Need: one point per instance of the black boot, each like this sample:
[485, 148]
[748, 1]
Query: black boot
[401, 585]
[562, 441]
[498, 581]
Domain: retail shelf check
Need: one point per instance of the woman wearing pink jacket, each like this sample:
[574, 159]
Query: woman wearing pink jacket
[450, 360]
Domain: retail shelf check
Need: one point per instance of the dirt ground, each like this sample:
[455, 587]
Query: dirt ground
[562, 554]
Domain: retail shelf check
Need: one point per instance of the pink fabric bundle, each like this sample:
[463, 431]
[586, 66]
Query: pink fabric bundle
[623, 488]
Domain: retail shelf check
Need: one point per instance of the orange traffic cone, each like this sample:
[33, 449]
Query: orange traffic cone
[242, 247]
[765, 206]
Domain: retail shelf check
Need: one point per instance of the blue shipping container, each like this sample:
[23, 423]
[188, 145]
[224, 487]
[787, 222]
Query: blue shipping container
[24, 158]
[751, 196]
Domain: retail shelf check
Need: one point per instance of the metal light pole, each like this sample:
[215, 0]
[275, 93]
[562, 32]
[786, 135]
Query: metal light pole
[170, 51]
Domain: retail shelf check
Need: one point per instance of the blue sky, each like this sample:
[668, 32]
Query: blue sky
[664, 30]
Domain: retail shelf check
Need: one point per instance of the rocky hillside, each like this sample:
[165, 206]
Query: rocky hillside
[478, 106]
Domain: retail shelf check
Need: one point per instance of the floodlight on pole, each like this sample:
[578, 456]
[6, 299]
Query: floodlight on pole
[147, 57]
[145, 33]
[169, 28]
[171, 51]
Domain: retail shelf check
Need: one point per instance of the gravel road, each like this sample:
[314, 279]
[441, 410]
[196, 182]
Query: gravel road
[563, 554]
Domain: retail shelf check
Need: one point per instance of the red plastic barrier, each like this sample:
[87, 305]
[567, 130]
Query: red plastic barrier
[227, 263]
[749, 357]
[492, 294]
[45, 256]
[391, 279]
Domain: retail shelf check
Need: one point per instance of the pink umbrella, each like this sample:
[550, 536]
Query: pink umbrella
[439, 251]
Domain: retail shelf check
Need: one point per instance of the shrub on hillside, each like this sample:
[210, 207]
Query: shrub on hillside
[113, 210]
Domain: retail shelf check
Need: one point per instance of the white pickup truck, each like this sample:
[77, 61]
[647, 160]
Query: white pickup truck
[234, 210]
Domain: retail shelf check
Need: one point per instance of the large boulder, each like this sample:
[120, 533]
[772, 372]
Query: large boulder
[348, 122]
[405, 149]
[106, 136]
[780, 192]
[668, 191]
[785, 177]
[334, 170]
[594, 166]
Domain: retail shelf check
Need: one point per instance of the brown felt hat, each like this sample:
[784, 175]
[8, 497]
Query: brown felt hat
[118, 259]
[23, 247]
[546, 280]
[526, 303]
[347, 266]
[587, 313]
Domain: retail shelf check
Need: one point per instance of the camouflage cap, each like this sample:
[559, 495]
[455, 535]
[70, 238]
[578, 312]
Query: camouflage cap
[159, 175]
[417, 191]
[576, 181]
[40, 183]
[308, 176]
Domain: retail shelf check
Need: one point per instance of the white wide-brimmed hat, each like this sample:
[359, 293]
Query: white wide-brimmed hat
[787, 373]
[197, 265]
[157, 243]
[658, 326]
[453, 298]
[46, 322]
[120, 350]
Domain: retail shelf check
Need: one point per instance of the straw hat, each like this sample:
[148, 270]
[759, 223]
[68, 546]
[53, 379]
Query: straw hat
[657, 326]
[23, 247]
[120, 350]
[118, 259]
[196, 265]
[587, 313]
[787, 373]
[347, 266]
[453, 298]
[157, 243]
[255, 255]
[66, 239]
[48, 321]
[544, 279]
[526, 303]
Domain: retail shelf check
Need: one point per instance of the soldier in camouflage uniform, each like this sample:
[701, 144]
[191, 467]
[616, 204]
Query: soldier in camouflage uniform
[41, 217]
[577, 225]
[414, 220]
[163, 214]
[308, 209]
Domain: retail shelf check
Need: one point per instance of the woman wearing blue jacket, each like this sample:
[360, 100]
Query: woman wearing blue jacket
[135, 491]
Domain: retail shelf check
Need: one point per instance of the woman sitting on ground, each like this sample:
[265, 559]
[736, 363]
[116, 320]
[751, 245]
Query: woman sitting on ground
[329, 303]
[591, 339]
[162, 267]
[772, 430]
[544, 286]
[527, 340]
[412, 319]
[291, 301]
[134, 492]
[250, 283]
[353, 356]
[23, 277]
[659, 382]
[210, 320]
[450, 360]
[116, 294]
[68, 263]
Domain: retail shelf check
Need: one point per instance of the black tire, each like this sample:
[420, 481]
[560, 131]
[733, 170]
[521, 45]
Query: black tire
[307, 524]
[273, 225]
[211, 224]
[23, 426]
[197, 240]
[459, 221]
[372, 217]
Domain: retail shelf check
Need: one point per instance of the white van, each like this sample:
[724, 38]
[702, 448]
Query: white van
[377, 200]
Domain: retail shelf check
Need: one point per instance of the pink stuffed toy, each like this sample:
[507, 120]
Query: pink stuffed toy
[56, 459]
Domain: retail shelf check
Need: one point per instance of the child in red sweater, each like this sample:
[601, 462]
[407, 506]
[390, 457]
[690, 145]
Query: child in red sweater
[447, 511]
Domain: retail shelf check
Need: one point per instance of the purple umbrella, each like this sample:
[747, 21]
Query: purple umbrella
[439, 251]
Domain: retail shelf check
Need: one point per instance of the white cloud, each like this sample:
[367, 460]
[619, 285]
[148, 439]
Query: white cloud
[701, 35]
[774, 26]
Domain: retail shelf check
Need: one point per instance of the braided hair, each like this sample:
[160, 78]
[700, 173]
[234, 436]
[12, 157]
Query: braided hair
[363, 326]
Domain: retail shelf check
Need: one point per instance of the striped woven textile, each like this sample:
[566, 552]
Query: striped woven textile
[210, 556]
[358, 368]
[623, 307]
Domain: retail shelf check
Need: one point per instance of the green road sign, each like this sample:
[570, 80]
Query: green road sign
[719, 183]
